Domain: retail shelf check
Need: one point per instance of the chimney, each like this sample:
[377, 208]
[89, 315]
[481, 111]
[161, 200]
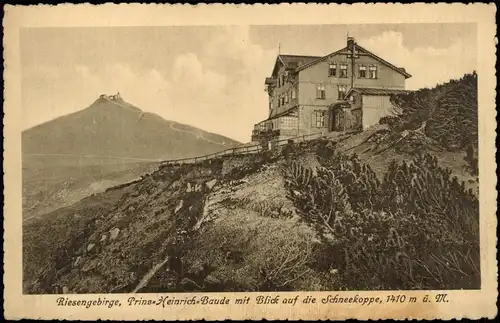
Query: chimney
[350, 41]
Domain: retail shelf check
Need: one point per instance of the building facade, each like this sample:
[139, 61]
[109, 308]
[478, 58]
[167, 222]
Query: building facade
[344, 90]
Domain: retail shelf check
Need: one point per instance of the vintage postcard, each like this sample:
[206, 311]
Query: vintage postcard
[177, 162]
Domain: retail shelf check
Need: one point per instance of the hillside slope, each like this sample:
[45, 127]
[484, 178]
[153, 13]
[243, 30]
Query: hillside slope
[392, 208]
[109, 143]
[115, 128]
[255, 223]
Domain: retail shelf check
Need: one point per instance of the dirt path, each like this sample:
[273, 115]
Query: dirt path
[97, 156]
[197, 136]
[180, 130]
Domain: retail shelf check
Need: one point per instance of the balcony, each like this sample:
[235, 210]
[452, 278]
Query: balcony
[271, 81]
[282, 126]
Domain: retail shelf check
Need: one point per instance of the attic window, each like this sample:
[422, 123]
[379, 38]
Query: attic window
[362, 71]
[373, 72]
[343, 70]
[332, 69]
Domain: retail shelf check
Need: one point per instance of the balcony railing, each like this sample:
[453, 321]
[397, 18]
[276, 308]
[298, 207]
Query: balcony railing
[273, 133]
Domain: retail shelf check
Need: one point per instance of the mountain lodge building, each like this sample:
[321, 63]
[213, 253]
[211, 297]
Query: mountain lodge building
[345, 90]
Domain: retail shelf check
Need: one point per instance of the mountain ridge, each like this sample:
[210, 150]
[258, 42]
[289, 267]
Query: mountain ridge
[118, 128]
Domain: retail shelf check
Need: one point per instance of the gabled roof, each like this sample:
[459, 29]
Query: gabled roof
[400, 70]
[375, 91]
[293, 61]
[299, 59]
[397, 69]
[320, 59]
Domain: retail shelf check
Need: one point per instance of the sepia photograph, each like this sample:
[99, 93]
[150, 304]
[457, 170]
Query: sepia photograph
[258, 163]
[250, 158]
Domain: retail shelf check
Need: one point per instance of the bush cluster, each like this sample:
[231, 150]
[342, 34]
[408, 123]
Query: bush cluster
[416, 229]
[447, 113]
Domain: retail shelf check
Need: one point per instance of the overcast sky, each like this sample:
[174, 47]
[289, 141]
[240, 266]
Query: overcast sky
[212, 77]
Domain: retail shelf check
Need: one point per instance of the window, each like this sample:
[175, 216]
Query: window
[332, 70]
[294, 94]
[319, 119]
[270, 106]
[263, 126]
[289, 122]
[320, 92]
[282, 100]
[343, 70]
[362, 71]
[286, 97]
[279, 102]
[342, 92]
[373, 72]
[275, 124]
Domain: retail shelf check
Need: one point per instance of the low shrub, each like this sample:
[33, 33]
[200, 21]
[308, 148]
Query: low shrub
[417, 229]
[394, 122]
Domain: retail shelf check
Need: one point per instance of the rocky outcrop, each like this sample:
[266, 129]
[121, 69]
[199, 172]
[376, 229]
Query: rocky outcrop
[210, 184]
[179, 206]
[114, 233]
[90, 247]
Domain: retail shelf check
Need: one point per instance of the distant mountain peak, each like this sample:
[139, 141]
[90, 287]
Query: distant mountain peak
[104, 100]
[113, 127]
